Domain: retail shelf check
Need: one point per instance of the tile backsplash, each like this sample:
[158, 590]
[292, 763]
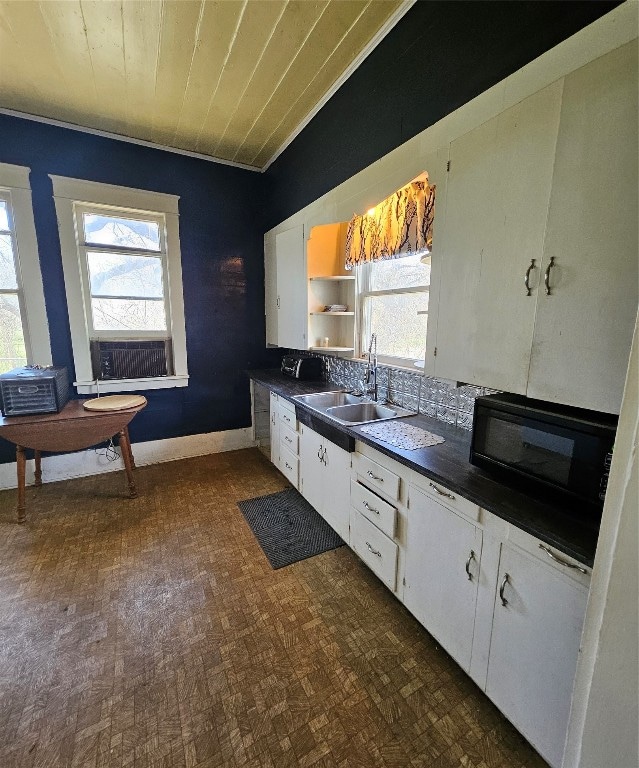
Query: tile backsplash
[433, 397]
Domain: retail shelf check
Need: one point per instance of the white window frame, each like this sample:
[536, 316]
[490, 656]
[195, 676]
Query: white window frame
[79, 209]
[15, 188]
[71, 196]
[363, 292]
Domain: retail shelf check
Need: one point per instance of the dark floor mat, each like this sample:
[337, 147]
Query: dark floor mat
[287, 527]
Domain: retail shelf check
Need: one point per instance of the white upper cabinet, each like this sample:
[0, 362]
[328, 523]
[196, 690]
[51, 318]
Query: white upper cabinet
[290, 302]
[583, 329]
[554, 180]
[497, 202]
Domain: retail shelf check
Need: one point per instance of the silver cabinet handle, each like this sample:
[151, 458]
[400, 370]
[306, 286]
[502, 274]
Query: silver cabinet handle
[278, 302]
[506, 580]
[551, 264]
[440, 492]
[369, 508]
[375, 552]
[374, 477]
[319, 453]
[527, 276]
[288, 466]
[286, 418]
[471, 557]
[561, 561]
[288, 439]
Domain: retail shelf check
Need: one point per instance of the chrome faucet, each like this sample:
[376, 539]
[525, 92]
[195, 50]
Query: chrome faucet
[371, 368]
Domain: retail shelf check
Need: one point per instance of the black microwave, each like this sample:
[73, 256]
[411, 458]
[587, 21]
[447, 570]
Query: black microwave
[561, 451]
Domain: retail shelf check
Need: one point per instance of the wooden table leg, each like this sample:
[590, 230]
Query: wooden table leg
[125, 448]
[21, 464]
[128, 439]
[38, 468]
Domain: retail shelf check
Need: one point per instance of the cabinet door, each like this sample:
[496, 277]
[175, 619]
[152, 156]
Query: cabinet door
[496, 208]
[270, 289]
[275, 430]
[534, 649]
[311, 468]
[583, 330]
[291, 288]
[438, 591]
[337, 486]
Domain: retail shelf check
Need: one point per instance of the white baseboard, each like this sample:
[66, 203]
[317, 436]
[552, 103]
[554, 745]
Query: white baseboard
[82, 463]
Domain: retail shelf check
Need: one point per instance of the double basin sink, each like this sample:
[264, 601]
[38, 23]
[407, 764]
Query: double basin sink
[349, 409]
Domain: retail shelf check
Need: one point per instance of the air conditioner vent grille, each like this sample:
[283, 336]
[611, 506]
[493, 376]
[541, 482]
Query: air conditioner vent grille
[131, 359]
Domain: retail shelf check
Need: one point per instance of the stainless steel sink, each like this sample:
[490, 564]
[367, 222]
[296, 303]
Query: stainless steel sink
[348, 409]
[328, 399]
[365, 412]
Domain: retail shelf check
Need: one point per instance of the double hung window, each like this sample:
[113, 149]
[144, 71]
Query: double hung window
[13, 344]
[123, 277]
[24, 332]
[394, 305]
[123, 258]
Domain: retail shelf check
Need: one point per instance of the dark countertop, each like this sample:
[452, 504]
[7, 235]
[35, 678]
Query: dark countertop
[447, 463]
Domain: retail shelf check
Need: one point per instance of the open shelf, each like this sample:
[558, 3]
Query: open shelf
[336, 314]
[332, 349]
[330, 286]
[333, 278]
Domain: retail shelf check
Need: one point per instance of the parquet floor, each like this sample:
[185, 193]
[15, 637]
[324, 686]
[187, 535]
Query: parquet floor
[153, 632]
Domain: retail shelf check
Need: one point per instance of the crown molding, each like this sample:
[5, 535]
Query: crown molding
[127, 139]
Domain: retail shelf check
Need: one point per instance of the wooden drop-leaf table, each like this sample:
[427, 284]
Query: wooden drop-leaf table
[73, 429]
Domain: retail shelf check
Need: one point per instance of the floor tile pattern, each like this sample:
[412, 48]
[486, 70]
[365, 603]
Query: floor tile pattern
[153, 633]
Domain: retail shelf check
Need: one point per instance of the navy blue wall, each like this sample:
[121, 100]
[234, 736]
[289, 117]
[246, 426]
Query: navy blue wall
[438, 57]
[221, 237]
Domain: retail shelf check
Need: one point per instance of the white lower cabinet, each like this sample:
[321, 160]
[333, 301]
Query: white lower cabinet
[378, 516]
[455, 561]
[443, 568]
[537, 623]
[325, 475]
[275, 429]
[284, 438]
[507, 607]
[375, 549]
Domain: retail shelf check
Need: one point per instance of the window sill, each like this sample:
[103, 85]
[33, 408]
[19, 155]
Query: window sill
[407, 366]
[130, 385]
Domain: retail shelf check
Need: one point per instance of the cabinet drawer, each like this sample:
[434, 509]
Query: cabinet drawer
[287, 405]
[289, 466]
[377, 477]
[449, 498]
[288, 418]
[374, 548]
[378, 511]
[289, 439]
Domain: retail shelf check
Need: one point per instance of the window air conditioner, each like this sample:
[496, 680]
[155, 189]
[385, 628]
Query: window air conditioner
[131, 358]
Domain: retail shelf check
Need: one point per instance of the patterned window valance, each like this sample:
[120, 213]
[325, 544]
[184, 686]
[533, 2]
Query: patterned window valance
[399, 225]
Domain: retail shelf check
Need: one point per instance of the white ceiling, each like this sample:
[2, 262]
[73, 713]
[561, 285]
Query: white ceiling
[234, 80]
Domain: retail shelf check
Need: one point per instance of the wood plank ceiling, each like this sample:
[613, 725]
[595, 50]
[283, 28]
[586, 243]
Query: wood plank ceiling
[231, 79]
